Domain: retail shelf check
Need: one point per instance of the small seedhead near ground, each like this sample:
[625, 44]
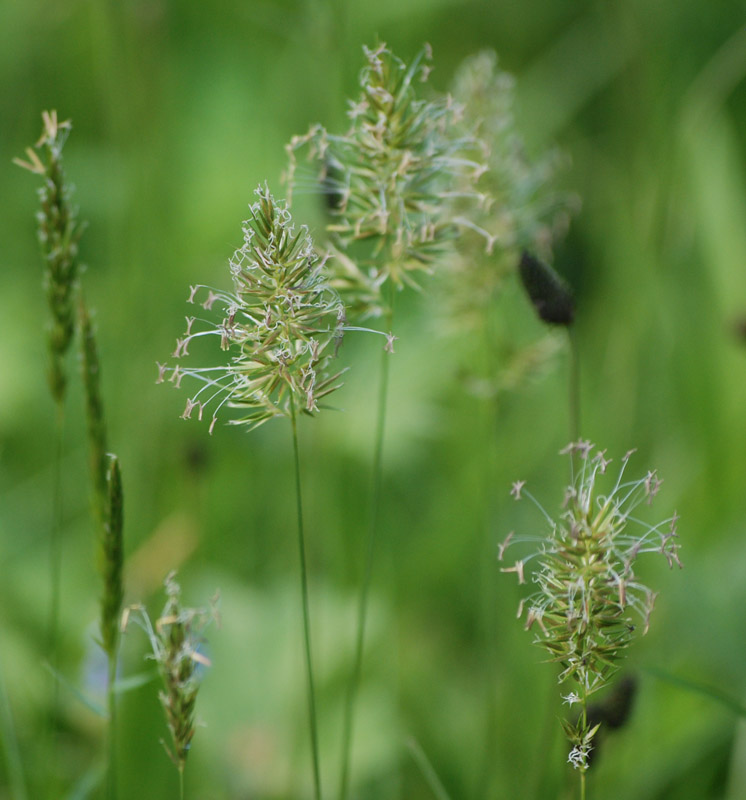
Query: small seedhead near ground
[177, 648]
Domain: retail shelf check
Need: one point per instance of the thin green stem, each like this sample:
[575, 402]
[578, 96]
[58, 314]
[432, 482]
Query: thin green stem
[55, 593]
[574, 382]
[181, 782]
[584, 707]
[362, 612]
[306, 613]
[16, 778]
[55, 549]
[488, 500]
[111, 697]
[428, 771]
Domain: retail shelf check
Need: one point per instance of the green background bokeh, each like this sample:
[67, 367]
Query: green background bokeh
[179, 110]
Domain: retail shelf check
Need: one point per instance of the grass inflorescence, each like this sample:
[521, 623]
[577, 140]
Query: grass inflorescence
[177, 644]
[588, 601]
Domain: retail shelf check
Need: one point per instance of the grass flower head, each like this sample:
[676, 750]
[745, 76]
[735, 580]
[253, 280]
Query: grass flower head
[177, 644]
[59, 233]
[282, 323]
[588, 600]
[391, 179]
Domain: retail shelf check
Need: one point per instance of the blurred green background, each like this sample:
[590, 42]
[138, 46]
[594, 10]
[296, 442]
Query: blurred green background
[179, 109]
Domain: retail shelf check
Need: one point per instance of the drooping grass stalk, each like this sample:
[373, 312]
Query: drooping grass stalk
[312, 717]
[370, 551]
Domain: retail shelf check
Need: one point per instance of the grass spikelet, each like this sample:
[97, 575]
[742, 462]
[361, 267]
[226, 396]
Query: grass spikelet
[59, 232]
[391, 179]
[95, 422]
[588, 595]
[178, 650]
[281, 323]
[112, 560]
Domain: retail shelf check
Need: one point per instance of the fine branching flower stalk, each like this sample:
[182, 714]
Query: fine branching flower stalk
[59, 232]
[283, 323]
[587, 595]
[177, 647]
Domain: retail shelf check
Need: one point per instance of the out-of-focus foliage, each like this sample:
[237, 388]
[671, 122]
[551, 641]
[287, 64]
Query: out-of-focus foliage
[179, 110]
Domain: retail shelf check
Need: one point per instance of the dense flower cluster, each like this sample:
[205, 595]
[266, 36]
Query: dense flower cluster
[282, 323]
[587, 594]
[391, 179]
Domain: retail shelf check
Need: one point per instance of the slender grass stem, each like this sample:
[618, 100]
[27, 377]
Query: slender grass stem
[181, 782]
[362, 612]
[488, 500]
[111, 771]
[584, 711]
[55, 593]
[428, 771]
[574, 382]
[16, 778]
[55, 548]
[306, 614]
